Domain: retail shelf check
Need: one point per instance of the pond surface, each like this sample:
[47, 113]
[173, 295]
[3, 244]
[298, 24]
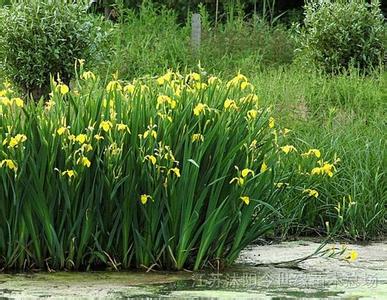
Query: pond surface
[318, 278]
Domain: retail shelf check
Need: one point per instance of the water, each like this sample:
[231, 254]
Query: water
[319, 278]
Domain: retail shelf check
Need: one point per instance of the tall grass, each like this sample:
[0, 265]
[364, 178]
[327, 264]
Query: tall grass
[343, 115]
[150, 41]
[178, 172]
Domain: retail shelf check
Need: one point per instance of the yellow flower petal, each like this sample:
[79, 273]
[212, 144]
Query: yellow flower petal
[176, 171]
[271, 122]
[18, 101]
[63, 88]
[230, 104]
[144, 198]
[84, 161]
[69, 173]
[245, 199]
[252, 114]
[199, 108]
[81, 138]
[352, 256]
[311, 193]
[98, 137]
[314, 152]
[238, 180]
[88, 75]
[122, 127]
[61, 130]
[106, 126]
[129, 88]
[288, 148]
[197, 137]
[264, 167]
[246, 172]
[10, 164]
[151, 158]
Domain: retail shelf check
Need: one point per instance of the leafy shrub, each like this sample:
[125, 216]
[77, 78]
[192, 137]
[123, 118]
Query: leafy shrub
[342, 33]
[173, 173]
[39, 38]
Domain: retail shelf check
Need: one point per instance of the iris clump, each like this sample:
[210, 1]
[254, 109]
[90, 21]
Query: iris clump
[175, 172]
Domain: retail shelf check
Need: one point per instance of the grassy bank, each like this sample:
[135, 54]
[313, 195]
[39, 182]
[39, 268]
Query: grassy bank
[343, 115]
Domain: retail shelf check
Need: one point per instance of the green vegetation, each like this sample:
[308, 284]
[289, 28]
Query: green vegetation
[39, 38]
[151, 41]
[178, 172]
[340, 34]
[343, 115]
[133, 168]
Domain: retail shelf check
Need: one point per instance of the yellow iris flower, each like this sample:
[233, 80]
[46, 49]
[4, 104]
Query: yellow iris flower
[18, 101]
[69, 173]
[195, 76]
[98, 137]
[81, 138]
[199, 108]
[271, 122]
[162, 99]
[144, 198]
[5, 101]
[151, 158]
[62, 130]
[230, 104]
[84, 161]
[62, 88]
[213, 80]
[16, 140]
[165, 78]
[311, 193]
[245, 199]
[352, 256]
[326, 168]
[252, 114]
[246, 172]
[238, 180]
[176, 171]
[150, 132]
[106, 126]
[114, 85]
[122, 127]
[314, 152]
[263, 167]
[129, 88]
[197, 137]
[288, 148]
[88, 75]
[10, 164]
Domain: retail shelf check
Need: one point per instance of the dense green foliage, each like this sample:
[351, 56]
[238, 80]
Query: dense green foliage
[151, 182]
[178, 172]
[340, 34]
[343, 115]
[150, 41]
[39, 38]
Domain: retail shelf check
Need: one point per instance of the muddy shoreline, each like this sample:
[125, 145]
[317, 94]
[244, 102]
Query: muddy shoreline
[317, 278]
